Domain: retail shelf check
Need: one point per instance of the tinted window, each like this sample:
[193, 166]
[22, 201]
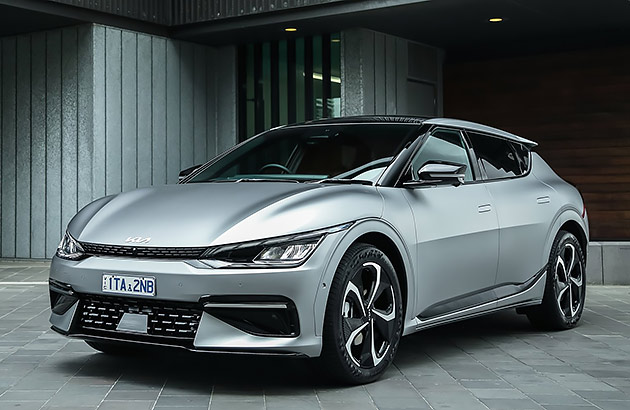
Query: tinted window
[496, 156]
[359, 151]
[522, 155]
[442, 145]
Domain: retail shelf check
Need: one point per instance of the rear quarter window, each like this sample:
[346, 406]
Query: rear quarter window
[522, 155]
[498, 157]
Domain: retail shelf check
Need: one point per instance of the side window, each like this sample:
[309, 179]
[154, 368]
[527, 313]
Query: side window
[442, 145]
[522, 155]
[496, 156]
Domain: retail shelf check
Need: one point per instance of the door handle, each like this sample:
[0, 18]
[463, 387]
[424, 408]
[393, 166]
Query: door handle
[543, 199]
[484, 208]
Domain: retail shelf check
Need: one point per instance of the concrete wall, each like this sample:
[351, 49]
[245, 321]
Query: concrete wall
[90, 111]
[156, 106]
[608, 263]
[384, 74]
[45, 135]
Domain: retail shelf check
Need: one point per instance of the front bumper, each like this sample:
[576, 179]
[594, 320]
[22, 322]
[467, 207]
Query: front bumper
[204, 304]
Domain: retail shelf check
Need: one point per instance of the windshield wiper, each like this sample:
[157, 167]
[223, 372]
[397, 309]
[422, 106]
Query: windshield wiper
[266, 180]
[344, 181]
[248, 180]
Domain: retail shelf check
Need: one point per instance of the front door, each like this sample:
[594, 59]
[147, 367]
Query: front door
[457, 238]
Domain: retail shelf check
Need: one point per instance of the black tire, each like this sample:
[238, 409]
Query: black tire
[348, 327]
[565, 293]
[114, 348]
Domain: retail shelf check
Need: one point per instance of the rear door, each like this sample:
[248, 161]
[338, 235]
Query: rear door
[522, 204]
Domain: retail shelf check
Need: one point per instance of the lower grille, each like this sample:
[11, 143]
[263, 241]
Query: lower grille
[142, 251]
[101, 315]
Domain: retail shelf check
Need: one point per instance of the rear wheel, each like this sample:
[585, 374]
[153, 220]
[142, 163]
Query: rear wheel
[565, 290]
[363, 322]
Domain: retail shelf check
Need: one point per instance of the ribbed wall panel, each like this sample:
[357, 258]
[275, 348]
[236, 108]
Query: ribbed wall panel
[42, 149]
[385, 74]
[90, 111]
[194, 11]
[176, 12]
[155, 11]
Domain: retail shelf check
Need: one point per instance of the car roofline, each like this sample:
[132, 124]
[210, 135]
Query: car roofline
[417, 120]
[473, 126]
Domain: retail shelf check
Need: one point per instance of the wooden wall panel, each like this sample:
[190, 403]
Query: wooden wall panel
[575, 105]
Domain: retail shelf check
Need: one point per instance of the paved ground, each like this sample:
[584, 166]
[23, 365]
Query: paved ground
[496, 362]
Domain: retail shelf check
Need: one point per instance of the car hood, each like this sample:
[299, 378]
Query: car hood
[205, 214]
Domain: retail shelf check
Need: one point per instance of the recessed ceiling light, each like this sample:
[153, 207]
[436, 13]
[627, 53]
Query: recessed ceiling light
[335, 40]
[290, 29]
[495, 20]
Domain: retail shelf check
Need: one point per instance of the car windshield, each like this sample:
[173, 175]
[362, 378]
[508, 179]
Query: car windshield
[341, 152]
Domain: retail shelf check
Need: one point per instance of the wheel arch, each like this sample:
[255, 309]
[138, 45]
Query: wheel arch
[381, 234]
[389, 248]
[575, 228]
[569, 220]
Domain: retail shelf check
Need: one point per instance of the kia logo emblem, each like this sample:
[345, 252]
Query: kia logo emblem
[137, 239]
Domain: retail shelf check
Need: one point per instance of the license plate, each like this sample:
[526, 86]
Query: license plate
[129, 285]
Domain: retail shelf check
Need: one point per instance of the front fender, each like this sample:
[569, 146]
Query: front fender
[359, 229]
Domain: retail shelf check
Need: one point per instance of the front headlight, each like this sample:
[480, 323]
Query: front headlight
[70, 249]
[286, 251]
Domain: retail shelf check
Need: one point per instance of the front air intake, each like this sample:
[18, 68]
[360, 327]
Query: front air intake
[176, 323]
[271, 316]
[98, 249]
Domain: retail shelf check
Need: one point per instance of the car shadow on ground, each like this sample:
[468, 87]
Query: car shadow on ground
[198, 373]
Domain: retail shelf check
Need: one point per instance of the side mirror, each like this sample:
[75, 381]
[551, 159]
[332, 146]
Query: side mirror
[439, 173]
[184, 173]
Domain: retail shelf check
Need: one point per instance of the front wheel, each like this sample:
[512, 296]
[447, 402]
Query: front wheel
[565, 289]
[364, 316]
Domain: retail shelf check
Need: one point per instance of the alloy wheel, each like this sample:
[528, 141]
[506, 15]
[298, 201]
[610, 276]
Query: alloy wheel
[569, 280]
[368, 315]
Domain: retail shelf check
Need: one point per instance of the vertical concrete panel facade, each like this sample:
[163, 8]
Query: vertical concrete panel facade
[23, 148]
[223, 133]
[38, 142]
[69, 123]
[91, 110]
[53, 140]
[129, 113]
[8, 145]
[379, 72]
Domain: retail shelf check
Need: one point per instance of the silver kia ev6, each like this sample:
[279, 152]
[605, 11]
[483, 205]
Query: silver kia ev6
[328, 239]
